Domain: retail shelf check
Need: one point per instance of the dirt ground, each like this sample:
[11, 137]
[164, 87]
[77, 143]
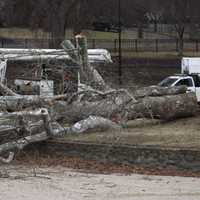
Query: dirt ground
[22, 183]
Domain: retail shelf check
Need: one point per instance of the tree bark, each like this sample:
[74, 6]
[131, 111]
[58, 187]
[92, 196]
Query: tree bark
[21, 143]
[96, 103]
[4, 90]
[89, 75]
[164, 107]
[159, 91]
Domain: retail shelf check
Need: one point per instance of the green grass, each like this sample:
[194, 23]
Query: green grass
[28, 33]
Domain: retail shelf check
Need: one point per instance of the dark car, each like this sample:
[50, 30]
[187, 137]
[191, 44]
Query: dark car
[105, 26]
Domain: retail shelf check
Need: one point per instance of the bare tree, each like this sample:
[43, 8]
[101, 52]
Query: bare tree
[154, 13]
[178, 12]
[53, 16]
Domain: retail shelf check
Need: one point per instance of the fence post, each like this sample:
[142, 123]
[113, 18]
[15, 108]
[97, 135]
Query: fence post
[136, 45]
[197, 46]
[93, 43]
[115, 45]
[156, 45]
[25, 43]
[2, 43]
[177, 45]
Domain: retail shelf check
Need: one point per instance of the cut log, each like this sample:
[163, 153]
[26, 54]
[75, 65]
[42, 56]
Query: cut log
[164, 107]
[87, 103]
[89, 75]
[159, 91]
[93, 123]
[107, 104]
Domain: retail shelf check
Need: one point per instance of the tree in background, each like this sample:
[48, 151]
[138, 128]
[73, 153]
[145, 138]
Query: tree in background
[17, 12]
[50, 15]
[177, 11]
[154, 13]
[55, 16]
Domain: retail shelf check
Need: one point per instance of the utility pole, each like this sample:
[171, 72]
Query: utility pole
[120, 46]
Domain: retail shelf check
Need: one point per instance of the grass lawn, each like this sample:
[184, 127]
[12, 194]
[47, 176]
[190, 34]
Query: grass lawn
[28, 33]
[183, 133]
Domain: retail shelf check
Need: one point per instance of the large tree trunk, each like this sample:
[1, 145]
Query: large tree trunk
[164, 107]
[87, 103]
[122, 106]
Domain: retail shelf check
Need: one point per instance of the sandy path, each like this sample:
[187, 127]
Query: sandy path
[61, 183]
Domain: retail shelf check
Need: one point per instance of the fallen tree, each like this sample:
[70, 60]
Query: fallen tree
[110, 107]
[117, 104]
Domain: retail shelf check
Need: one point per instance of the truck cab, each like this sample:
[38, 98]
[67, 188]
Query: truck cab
[190, 76]
[192, 82]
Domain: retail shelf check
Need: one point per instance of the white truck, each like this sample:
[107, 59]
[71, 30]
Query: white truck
[190, 76]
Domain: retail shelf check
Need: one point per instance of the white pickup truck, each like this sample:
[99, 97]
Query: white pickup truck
[190, 76]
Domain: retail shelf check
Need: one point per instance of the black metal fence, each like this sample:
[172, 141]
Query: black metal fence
[128, 45]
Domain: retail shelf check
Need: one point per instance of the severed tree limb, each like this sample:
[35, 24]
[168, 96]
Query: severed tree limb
[159, 91]
[89, 75]
[47, 122]
[91, 93]
[21, 143]
[17, 103]
[23, 128]
[4, 90]
[92, 123]
[37, 113]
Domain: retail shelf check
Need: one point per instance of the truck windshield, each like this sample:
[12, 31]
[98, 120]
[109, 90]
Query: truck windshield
[167, 82]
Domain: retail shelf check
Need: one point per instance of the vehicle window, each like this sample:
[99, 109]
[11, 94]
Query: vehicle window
[167, 82]
[187, 82]
[196, 80]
